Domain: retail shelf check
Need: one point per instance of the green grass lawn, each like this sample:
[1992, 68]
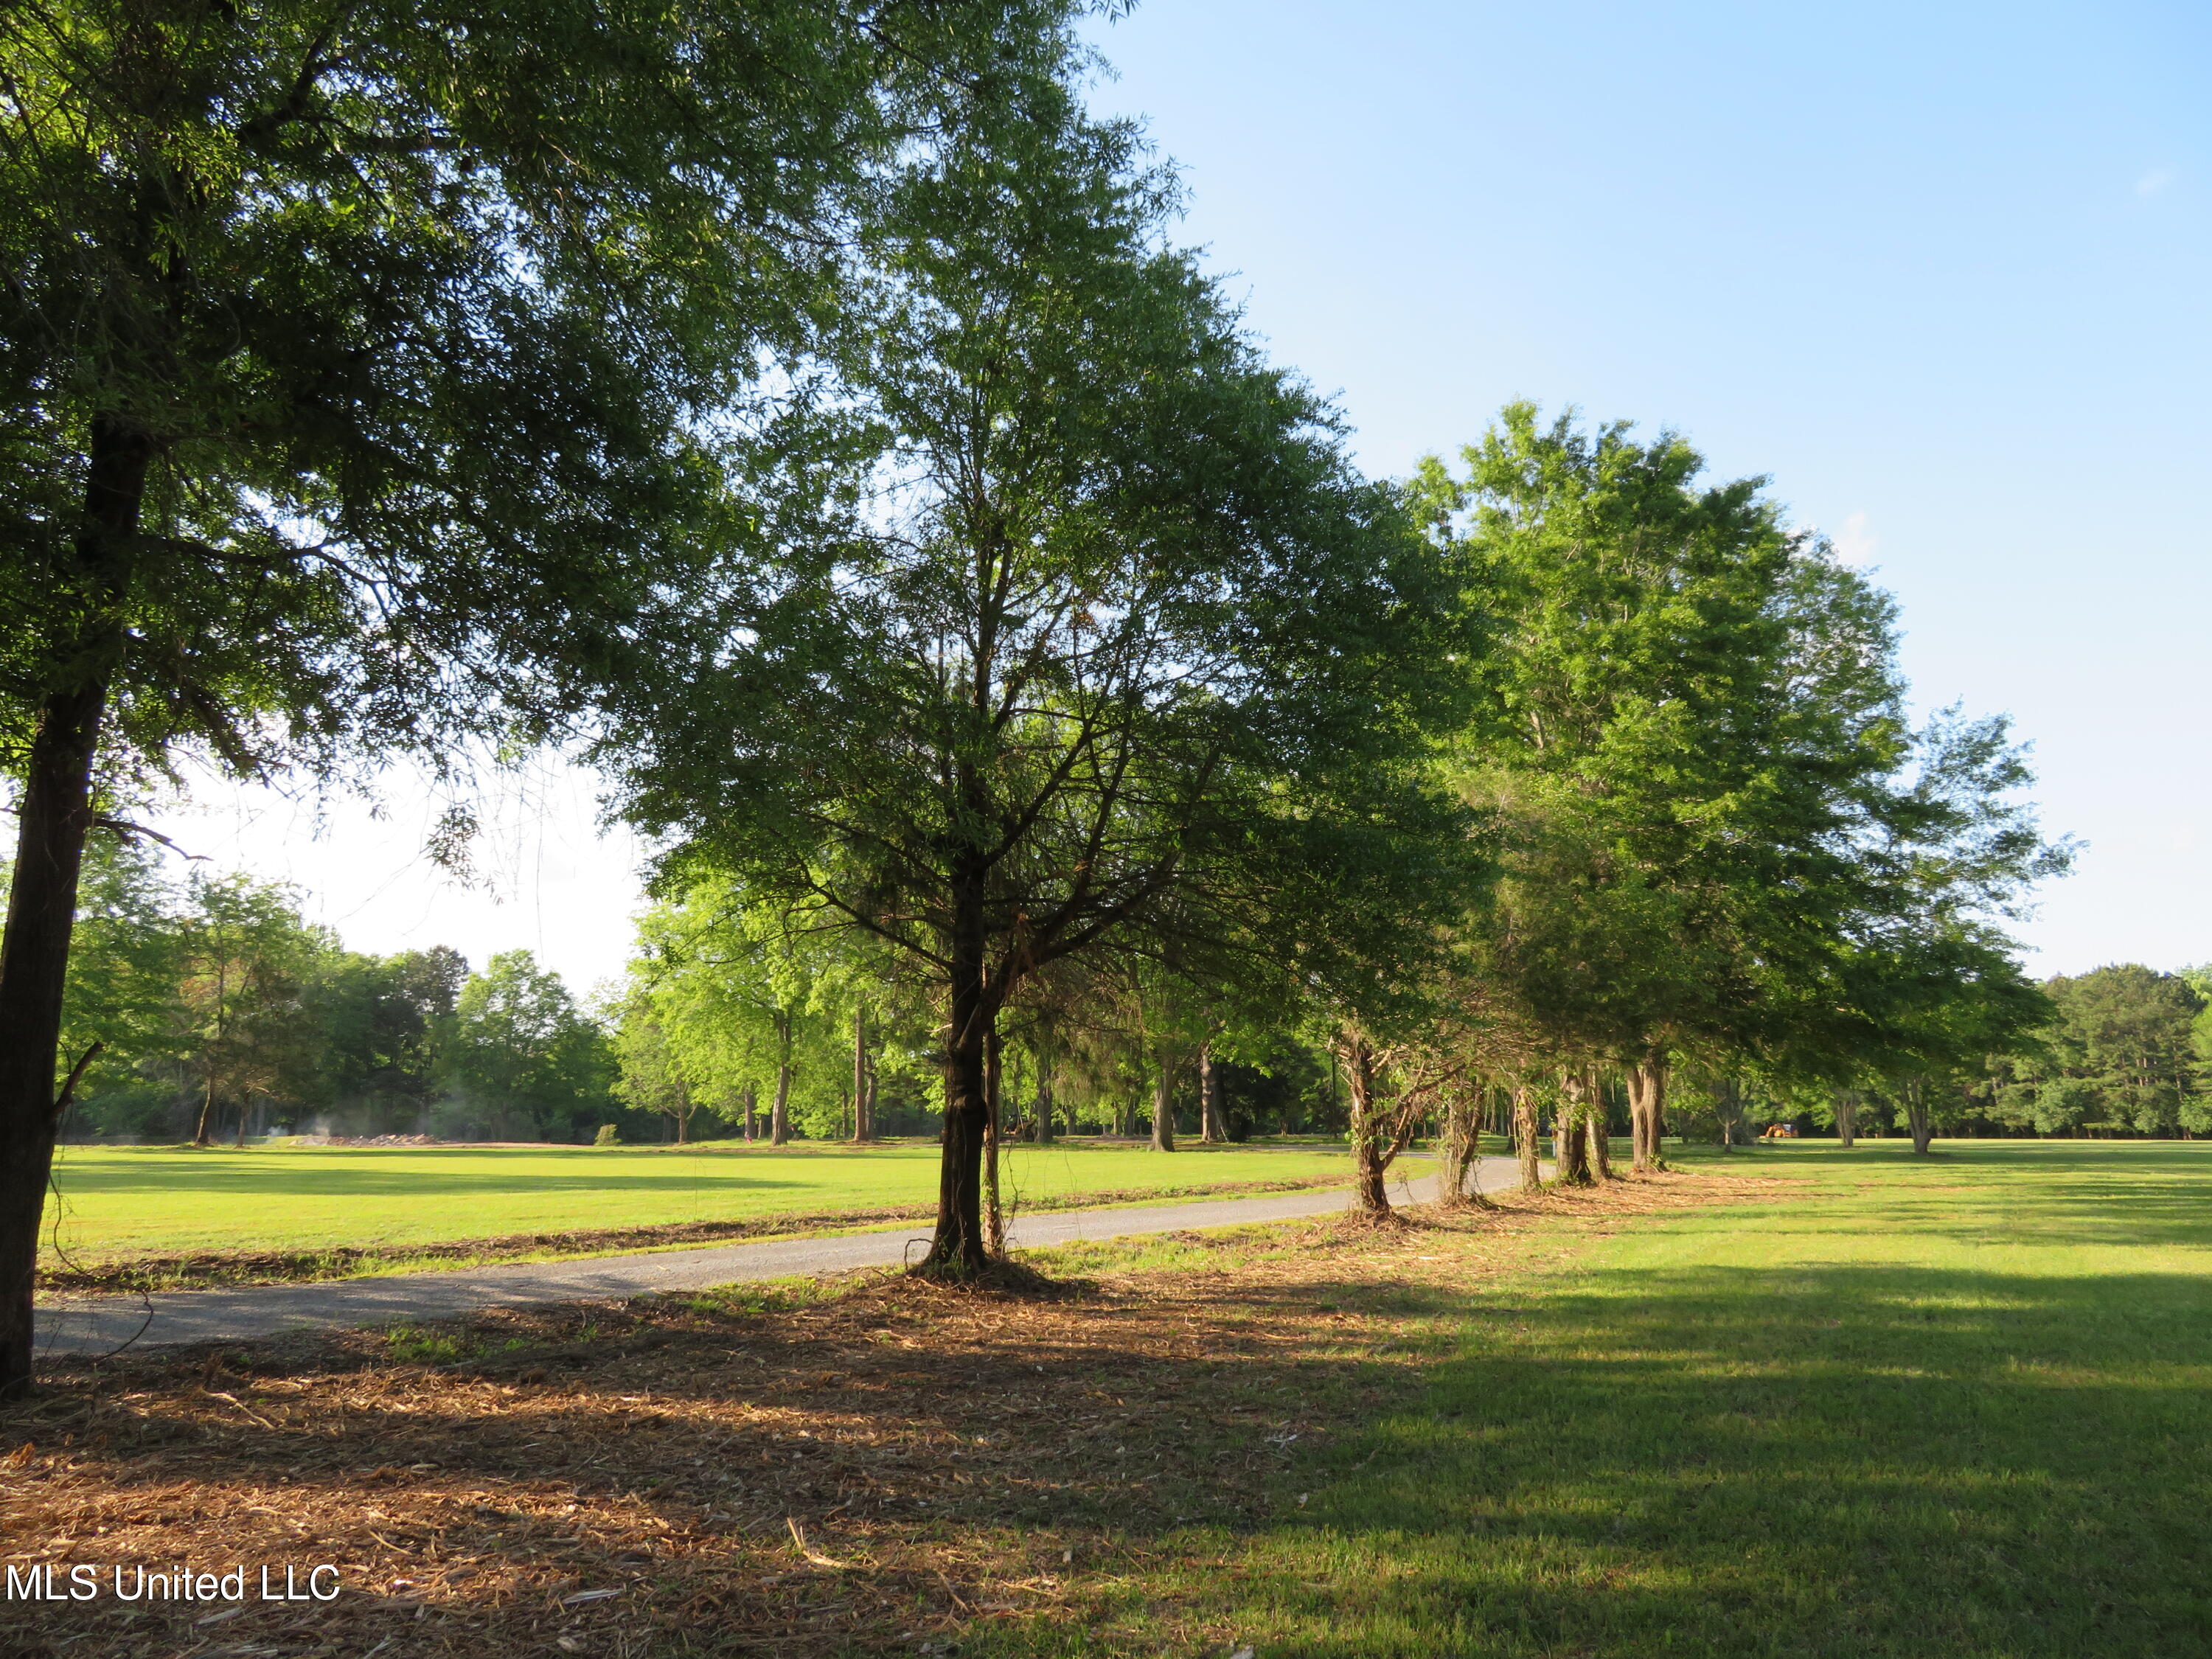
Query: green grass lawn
[122, 1201]
[1951, 1407]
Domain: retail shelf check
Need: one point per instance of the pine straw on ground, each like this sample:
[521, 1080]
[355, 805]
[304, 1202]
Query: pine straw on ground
[875, 1464]
[215, 1269]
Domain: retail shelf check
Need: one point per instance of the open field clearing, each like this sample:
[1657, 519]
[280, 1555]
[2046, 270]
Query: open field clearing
[120, 1203]
[1951, 1407]
[1797, 1401]
[897, 1464]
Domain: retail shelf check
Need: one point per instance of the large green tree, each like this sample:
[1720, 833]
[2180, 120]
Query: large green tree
[351, 359]
[1110, 622]
[1720, 839]
[523, 1058]
[1683, 703]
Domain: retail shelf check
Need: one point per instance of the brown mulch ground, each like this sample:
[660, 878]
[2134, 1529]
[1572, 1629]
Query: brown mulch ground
[215, 1269]
[882, 1465]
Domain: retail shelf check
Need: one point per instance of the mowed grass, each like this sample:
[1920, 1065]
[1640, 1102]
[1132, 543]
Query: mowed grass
[1946, 1407]
[113, 1202]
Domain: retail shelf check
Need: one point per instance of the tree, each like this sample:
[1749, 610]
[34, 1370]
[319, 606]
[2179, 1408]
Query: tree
[750, 1007]
[2120, 1051]
[350, 362]
[650, 1078]
[1637, 747]
[1107, 617]
[248, 959]
[1717, 833]
[523, 1057]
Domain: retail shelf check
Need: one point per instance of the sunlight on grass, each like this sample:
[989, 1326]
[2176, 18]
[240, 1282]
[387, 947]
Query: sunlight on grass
[1913, 1409]
[121, 1200]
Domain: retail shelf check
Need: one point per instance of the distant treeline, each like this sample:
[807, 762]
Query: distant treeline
[219, 1014]
[2130, 1053]
[218, 1011]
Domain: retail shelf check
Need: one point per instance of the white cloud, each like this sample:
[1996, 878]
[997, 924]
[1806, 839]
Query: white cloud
[2153, 181]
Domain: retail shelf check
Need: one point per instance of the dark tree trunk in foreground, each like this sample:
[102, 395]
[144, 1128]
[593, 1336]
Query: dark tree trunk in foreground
[958, 1246]
[56, 816]
[1213, 1126]
[1525, 1136]
[1370, 1158]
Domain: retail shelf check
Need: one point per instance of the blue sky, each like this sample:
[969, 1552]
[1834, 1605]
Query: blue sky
[1943, 272]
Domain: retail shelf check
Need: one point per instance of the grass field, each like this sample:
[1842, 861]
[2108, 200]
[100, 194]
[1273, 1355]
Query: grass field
[122, 1201]
[1791, 1402]
[1946, 1407]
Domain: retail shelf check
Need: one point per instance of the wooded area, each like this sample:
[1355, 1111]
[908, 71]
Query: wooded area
[806, 412]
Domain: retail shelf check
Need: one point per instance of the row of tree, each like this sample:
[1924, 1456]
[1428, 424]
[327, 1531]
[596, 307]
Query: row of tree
[207, 1010]
[802, 409]
[220, 1012]
[213, 1012]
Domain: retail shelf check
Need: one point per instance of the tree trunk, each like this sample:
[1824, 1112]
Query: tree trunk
[1043, 1055]
[779, 1116]
[751, 1102]
[1524, 1137]
[1728, 1108]
[995, 1214]
[1163, 1106]
[959, 1246]
[1213, 1128]
[55, 815]
[1847, 1116]
[1571, 1146]
[1647, 1108]
[1462, 1150]
[864, 1093]
[1916, 1115]
[1598, 1127]
[203, 1135]
[1371, 1163]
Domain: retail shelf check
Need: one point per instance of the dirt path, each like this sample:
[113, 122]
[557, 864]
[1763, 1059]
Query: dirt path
[99, 1324]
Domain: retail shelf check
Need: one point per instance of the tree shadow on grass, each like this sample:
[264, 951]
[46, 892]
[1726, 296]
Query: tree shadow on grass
[696, 1475]
[1826, 1461]
[1816, 1460]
